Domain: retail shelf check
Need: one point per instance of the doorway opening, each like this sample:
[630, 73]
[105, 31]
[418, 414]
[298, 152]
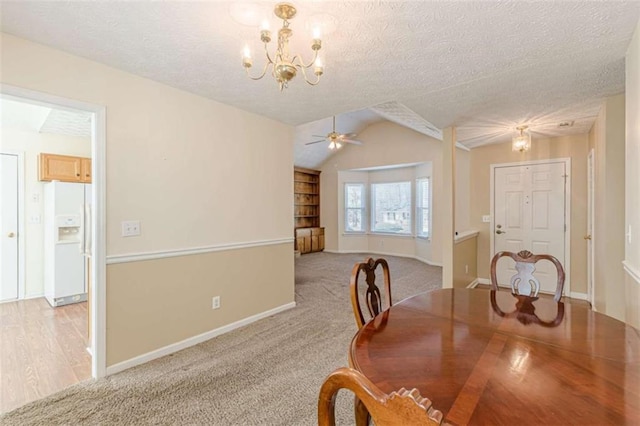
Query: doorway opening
[53, 261]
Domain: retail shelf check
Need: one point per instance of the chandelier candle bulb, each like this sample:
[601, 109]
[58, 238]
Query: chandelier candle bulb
[246, 57]
[318, 69]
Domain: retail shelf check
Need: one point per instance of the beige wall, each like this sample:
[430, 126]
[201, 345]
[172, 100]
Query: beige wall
[195, 172]
[574, 147]
[607, 139]
[465, 256]
[31, 144]
[385, 143]
[463, 195]
[632, 179]
[169, 300]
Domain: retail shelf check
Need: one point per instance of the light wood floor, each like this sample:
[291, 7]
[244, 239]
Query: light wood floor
[42, 350]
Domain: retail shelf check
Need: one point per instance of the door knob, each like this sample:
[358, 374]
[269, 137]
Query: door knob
[587, 237]
[499, 231]
[11, 234]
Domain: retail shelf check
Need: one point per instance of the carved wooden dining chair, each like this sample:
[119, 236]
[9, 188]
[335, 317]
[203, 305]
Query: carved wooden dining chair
[374, 301]
[396, 409]
[523, 282]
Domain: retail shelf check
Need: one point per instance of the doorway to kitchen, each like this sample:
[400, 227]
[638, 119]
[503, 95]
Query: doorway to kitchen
[53, 323]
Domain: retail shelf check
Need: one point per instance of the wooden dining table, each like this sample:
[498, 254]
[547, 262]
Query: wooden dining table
[488, 357]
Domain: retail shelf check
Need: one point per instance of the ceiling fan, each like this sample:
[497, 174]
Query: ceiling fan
[335, 139]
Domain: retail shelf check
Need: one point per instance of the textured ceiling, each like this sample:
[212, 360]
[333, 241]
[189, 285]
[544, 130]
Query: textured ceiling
[482, 66]
[29, 117]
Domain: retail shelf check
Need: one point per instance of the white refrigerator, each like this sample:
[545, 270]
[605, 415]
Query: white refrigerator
[67, 241]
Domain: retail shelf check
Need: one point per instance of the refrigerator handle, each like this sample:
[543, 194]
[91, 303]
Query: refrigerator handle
[82, 229]
[86, 234]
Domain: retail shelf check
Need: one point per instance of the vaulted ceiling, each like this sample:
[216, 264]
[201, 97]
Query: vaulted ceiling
[483, 66]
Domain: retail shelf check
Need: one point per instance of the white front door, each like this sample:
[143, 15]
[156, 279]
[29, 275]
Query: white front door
[529, 214]
[8, 227]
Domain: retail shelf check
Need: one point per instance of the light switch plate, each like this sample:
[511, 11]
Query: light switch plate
[486, 218]
[131, 228]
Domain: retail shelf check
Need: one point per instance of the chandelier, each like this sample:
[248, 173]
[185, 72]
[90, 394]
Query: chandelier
[521, 142]
[283, 66]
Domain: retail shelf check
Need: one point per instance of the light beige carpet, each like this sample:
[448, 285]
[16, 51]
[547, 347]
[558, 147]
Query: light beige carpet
[267, 373]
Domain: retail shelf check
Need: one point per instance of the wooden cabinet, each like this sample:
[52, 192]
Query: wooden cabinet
[64, 168]
[306, 210]
[309, 239]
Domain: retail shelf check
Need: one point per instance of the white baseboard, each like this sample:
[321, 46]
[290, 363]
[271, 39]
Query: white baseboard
[473, 284]
[192, 341]
[380, 253]
[485, 281]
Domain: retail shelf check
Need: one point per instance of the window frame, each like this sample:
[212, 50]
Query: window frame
[420, 208]
[372, 213]
[363, 208]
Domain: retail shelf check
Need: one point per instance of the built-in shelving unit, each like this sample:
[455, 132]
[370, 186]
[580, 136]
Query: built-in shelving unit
[306, 210]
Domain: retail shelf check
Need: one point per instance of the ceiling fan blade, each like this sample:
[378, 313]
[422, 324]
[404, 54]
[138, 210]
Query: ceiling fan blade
[311, 143]
[350, 135]
[319, 136]
[353, 141]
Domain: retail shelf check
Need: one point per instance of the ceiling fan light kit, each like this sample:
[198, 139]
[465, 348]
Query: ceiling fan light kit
[283, 66]
[336, 140]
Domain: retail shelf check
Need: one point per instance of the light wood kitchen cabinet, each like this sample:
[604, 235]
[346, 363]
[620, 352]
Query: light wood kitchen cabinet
[65, 168]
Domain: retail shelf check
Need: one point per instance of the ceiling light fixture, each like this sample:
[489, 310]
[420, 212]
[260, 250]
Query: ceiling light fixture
[284, 67]
[521, 142]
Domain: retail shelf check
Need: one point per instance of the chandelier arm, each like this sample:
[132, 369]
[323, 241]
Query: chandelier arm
[304, 74]
[301, 63]
[266, 52]
[264, 71]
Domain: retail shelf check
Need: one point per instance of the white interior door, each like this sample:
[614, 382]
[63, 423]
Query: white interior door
[529, 214]
[8, 227]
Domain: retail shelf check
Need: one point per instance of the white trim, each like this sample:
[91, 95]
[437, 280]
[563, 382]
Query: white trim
[462, 147]
[98, 157]
[631, 271]
[22, 268]
[567, 211]
[192, 341]
[380, 253]
[485, 281]
[465, 235]
[579, 296]
[591, 226]
[153, 255]
[473, 284]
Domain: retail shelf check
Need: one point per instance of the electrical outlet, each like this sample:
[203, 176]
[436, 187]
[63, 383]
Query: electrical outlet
[215, 302]
[466, 269]
[131, 228]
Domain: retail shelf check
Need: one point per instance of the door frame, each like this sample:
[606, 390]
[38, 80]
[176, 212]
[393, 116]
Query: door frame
[567, 211]
[98, 159]
[21, 222]
[591, 290]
